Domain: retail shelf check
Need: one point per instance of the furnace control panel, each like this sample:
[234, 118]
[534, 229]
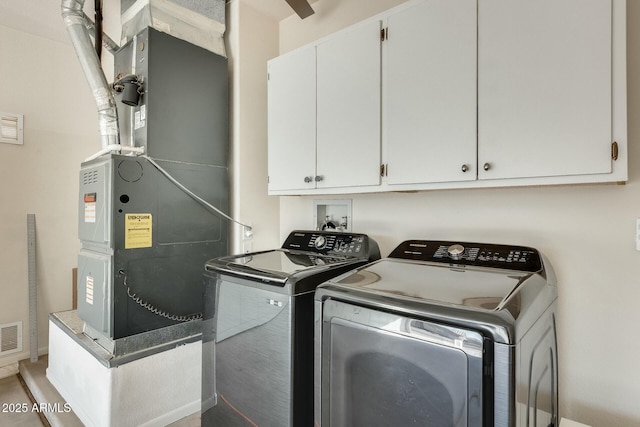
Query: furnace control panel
[507, 257]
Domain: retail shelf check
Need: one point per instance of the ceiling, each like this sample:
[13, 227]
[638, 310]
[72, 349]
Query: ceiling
[35, 16]
[278, 9]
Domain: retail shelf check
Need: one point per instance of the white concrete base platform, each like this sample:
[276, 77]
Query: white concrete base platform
[156, 390]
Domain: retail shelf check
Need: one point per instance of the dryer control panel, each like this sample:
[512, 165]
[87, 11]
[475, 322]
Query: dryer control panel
[507, 257]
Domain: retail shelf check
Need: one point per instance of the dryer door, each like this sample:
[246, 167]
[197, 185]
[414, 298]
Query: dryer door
[383, 369]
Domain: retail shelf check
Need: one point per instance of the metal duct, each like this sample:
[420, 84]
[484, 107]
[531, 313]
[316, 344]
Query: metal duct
[107, 113]
[199, 22]
[107, 42]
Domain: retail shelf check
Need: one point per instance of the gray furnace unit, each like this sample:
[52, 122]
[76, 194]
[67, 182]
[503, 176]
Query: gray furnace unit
[144, 240]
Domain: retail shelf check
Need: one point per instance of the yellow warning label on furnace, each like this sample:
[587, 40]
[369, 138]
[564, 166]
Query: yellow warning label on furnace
[137, 231]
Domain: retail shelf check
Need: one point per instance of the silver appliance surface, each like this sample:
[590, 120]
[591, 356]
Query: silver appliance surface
[441, 387]
[480, 288]
[439, 333]
[258, 327]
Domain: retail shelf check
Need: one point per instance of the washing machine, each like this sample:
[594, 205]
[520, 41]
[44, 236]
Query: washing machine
[258, 327]
[439, 334]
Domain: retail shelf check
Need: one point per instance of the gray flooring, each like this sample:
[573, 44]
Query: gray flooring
[16, 408]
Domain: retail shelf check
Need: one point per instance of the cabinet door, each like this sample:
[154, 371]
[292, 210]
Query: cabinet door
[429, 86]
[292, 120]
[544, 87]
[348, 91]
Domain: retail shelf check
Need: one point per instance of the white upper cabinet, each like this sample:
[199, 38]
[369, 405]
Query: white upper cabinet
[429, 101]
[348, 102]
[544, 88]
[292, 120]
[455, 94]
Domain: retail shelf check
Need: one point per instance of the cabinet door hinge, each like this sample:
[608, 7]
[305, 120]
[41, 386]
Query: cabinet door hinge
[384, 169]
[384, 34]
[614, 150]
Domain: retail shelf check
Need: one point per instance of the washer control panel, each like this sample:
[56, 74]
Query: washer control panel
[345, 244]
[507, 257]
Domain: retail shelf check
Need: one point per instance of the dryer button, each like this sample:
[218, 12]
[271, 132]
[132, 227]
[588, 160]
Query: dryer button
[455, 251]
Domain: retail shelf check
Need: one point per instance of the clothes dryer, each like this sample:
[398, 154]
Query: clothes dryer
[439, 334]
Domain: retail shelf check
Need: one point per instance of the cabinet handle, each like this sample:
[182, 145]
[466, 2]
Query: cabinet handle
[308, 179]
[319, 178]
[487, 166]
[465, 168]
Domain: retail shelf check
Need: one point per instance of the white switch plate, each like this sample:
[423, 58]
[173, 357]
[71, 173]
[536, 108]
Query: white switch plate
[637, 234]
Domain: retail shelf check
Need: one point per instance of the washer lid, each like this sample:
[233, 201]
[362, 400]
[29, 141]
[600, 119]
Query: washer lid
[276, 265]
[306, 259]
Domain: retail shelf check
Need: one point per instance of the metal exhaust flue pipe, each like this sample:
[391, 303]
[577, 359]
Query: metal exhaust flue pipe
[74, 21]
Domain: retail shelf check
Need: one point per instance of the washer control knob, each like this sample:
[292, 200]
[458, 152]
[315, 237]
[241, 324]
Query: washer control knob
[455, 251]
[320, 242]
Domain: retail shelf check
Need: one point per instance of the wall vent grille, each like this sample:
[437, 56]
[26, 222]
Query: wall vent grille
[11, 128]
[10, 338]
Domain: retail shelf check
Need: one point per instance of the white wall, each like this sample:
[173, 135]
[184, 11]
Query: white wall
[587, 232]
[330, 16]
[252, 39]
[41, 78]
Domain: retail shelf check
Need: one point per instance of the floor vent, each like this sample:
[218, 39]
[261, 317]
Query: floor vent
[10, 338]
